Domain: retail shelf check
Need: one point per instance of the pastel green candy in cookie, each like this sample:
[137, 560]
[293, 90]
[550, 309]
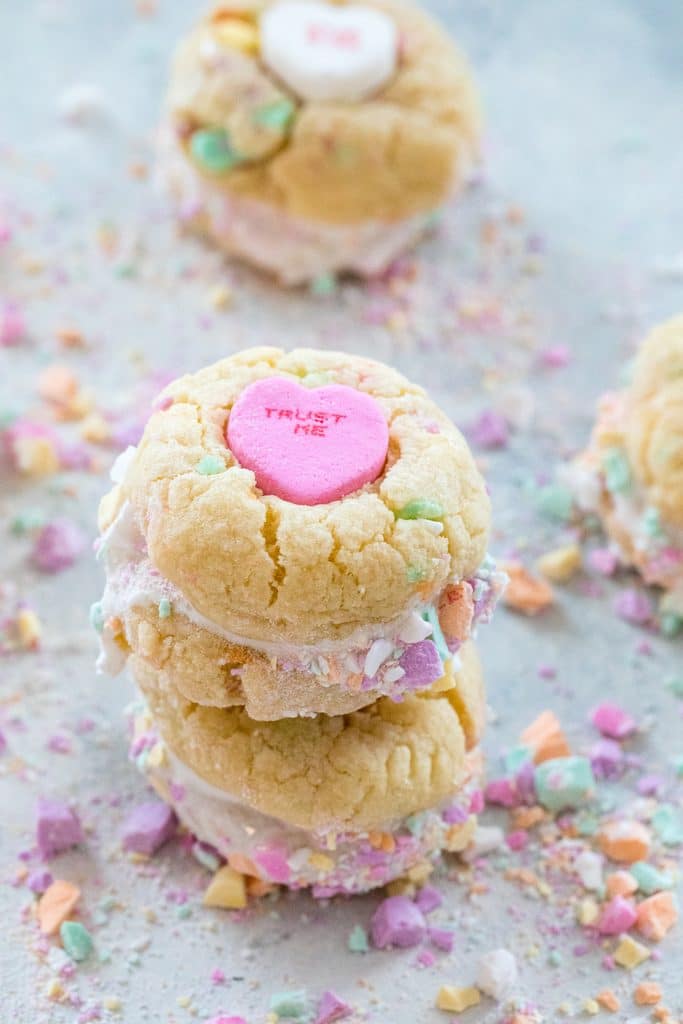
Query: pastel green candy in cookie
[210, 465]
[421, 508]
[652, 524]
[211, 148]
[555, 502]
[96, 617]
[76, 940]
[165, 608]
[617, 471]
[276, 115]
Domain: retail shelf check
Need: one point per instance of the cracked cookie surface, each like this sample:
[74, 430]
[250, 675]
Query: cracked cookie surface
[394, 155]
[356, 771]
[263, 569]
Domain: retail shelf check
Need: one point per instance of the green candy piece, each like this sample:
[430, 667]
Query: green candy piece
[211, 148]
[25, 522]
[670, 623]
[555, 502]
[516, 758]
[649, 879]
[675, 684]
[668, 825]
[617, 470]
[210, 465]
[439, 639]
[323, 284]
[564, 782]
[76, 940]
[97, 617]
[414, 574]
[290, 1005]
[652, 523]
[358, 940]
[421, 508]
[165, 608]
[278, 115]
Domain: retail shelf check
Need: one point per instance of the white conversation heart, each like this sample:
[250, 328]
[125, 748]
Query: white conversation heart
[327, 53]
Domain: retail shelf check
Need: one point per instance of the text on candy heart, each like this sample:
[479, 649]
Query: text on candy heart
[312, 423]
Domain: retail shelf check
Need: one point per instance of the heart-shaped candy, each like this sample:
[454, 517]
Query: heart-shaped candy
[308, 445]
[327, 53]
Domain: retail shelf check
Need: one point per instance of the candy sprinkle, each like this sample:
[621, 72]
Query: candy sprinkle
[421, 508]
[76, 940]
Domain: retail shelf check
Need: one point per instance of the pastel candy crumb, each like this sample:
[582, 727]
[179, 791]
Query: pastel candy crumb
[57, 904]
[564, 782]
[58, 827]
[656, 915]
[612, 721]
[454, 999]
[625, 840]
[544, 736]
[76, 940]
[526, 593]
[497, 973]
[397, 922]
[331, 1008]
[148, 827]
[227, 889]
[630, 953]
[617, 916]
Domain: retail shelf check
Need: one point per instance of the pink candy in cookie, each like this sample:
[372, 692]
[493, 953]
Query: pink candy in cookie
[308, 446]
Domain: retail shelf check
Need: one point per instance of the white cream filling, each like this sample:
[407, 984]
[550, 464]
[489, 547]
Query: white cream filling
[295, 249]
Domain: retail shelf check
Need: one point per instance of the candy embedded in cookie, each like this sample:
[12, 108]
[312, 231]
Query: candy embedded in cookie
[308, 446]
[311, 137]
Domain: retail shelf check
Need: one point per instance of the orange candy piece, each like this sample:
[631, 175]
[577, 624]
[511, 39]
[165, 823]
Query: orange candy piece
[608, 1000]
[456, 610]
[56, 905]
[656, 916]
[648, 993]
[526, 593]
[545, 737]
[624, 840]
[621, 883]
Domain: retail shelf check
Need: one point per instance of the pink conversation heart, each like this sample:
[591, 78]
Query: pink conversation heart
[308, 446]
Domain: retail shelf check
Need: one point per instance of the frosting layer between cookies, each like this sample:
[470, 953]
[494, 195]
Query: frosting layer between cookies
[329, 861]
[385, 659]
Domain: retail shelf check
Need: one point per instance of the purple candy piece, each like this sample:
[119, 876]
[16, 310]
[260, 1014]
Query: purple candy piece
[502, 792]
[397, 922]
[442, 938]
[58, 545]
[489, 430]
[634, 606]
[428, 899]
[421, 664]
[331, 1008]
[617, 916]
[607, 759]
[38, 881]
[57, 827]
[148, 827]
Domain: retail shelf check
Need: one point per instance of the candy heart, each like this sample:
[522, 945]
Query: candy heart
[308, 446]
[329, 53]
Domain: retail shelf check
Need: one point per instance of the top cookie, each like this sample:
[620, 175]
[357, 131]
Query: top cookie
[338, 113]
[258, 567]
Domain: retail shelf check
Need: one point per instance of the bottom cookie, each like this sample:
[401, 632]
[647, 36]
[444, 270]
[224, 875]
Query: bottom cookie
[329, 862]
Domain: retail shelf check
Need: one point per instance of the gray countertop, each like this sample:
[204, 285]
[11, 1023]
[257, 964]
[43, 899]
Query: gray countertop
[572, 238]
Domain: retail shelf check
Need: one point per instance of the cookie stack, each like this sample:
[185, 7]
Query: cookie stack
[310, 137]
[296, 562]
[631, 474]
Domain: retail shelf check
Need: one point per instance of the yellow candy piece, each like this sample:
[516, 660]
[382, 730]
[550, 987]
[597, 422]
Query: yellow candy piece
[587, 912]
[455, 1000]
[227, 889]
[630, 954]
[28, 628]
[236, 34]
[320, 862]
[561, 564]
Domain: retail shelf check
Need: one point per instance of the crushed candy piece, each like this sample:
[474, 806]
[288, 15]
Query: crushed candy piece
[524, 592]
[635, 607]
[331, 1008]
[564, 782]
[560, 565]
[624, 840]
[649, 880]
[630, 954]
[397, 922]
[617, 916]
[227, 889]
[58, 545]
[76, 940]
[612, 721]
[290, 1005]
[656, 915]
[57, 827]
[148, 827]
[56, 905]
[545, 738]
[456, 1000]
[648, 993]
[497, 973]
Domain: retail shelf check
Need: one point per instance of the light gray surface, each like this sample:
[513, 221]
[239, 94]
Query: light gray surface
[584, 136]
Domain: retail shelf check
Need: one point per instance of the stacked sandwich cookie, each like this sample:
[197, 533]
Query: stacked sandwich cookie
[296, 564]
[310, 137]
[631, 473]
